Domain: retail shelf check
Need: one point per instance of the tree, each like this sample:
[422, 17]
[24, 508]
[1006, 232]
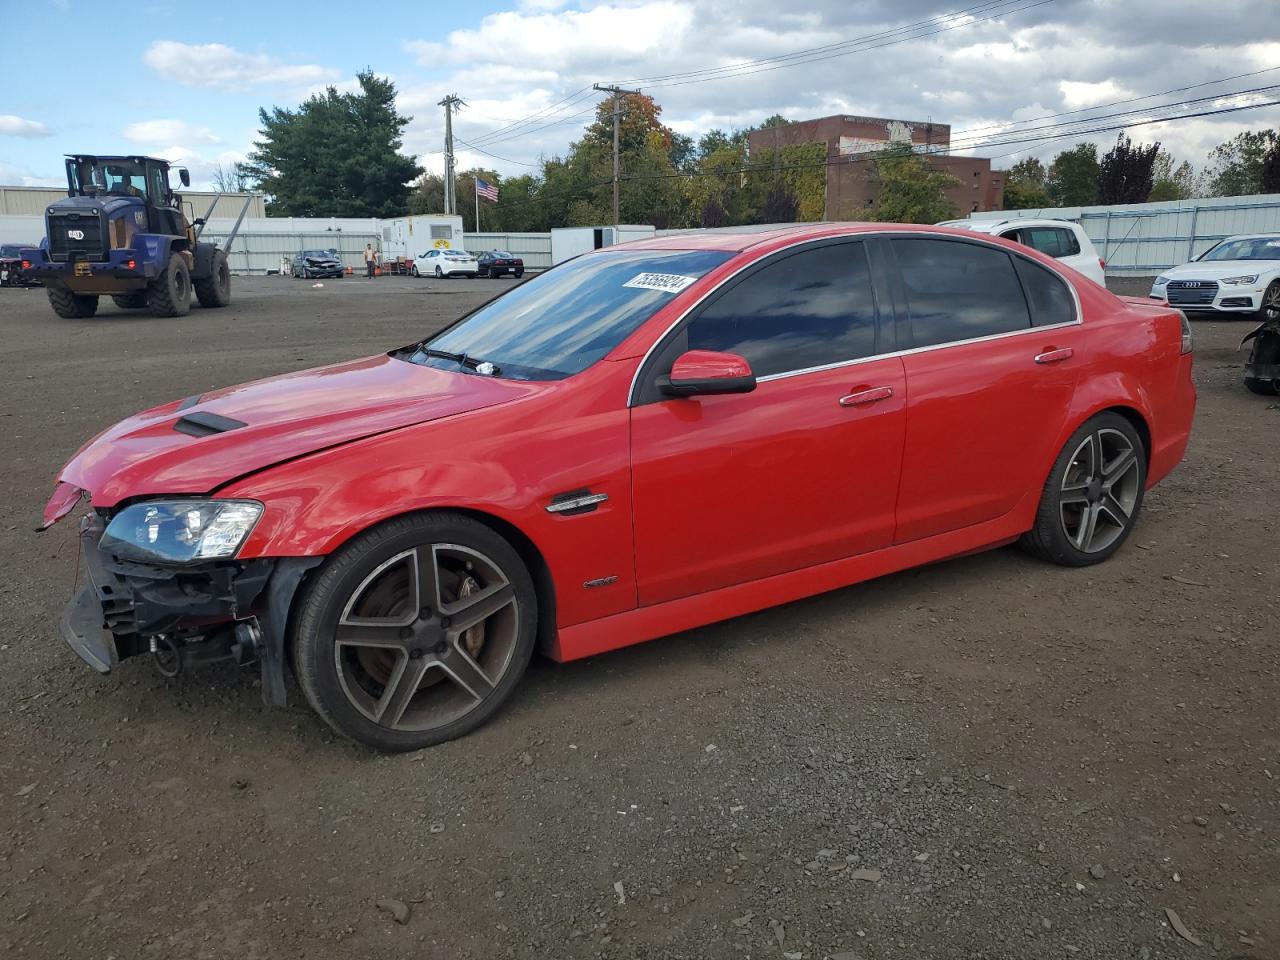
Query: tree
[1125, 173]
[336, 155]
[1172, 183]
[1269, 179]
[1236, 166]
[229, 179]
[780, 205]
[1072, 180]
[908, 189]
[1024, 186]
[713, 215]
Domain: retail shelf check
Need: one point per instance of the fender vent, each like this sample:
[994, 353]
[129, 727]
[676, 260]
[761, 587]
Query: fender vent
[201, 424]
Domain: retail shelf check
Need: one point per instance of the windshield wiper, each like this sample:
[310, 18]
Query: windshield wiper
[482, 367]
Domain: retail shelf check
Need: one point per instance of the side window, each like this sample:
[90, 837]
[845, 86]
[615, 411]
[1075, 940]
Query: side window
[1054, 241]
[1047, 294]
[958, 291]
[807, 309]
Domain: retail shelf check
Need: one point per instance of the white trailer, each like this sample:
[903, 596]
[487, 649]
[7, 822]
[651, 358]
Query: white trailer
[569, 242]
[411, 237]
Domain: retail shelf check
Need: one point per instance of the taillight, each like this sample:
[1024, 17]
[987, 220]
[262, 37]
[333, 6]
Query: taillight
[26, 264]
[131, 264]
[1186, 333]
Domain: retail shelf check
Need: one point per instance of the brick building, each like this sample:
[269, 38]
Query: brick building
[850, 190]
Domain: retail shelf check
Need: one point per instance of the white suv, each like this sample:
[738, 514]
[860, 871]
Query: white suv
[1060, 239]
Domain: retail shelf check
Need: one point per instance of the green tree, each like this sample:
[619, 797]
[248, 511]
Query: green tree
[1236, 166]
[337, 155]
[1024, 186]
[1072, 179]
[1270, 177]
[1170, 182]
[1125, 173]
[908, 189]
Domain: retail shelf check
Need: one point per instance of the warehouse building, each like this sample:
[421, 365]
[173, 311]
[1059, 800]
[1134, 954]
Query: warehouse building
[851, 140]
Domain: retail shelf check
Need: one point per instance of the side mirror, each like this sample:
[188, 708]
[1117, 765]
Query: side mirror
[184, 176]
[707, 372]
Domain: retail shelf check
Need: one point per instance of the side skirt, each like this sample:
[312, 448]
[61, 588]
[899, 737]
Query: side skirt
[660, 620]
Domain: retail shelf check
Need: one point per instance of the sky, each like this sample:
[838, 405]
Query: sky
[188, 87]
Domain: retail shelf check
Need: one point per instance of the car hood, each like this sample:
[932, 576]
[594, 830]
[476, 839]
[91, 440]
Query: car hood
[265, 422]
[1217, 269]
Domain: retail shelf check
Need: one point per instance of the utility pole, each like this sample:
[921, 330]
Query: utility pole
[450, 103]
[617, 115]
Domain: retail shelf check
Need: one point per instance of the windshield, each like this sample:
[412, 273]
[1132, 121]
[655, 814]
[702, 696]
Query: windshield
[11, 250]
[564, 320]
[318, 254]
[500, 254]
[1251, 248]
[119, 177]
[457, 254]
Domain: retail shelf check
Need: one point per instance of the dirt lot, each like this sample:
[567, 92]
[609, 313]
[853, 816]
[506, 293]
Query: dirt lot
[1035, 762]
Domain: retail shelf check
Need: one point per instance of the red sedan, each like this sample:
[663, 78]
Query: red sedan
[647, 438]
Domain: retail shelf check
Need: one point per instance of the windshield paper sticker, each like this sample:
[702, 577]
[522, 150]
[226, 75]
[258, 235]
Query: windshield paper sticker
[666, 282]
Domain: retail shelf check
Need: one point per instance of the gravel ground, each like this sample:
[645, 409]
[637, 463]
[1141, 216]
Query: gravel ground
[989, 757]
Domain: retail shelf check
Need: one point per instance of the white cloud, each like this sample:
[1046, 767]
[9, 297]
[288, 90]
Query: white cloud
[11, 126]
[221, 67]
[151, 132]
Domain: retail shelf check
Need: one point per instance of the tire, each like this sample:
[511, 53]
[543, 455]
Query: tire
[169, 295]
[416, 274]
[215, 289]
[1270, 309]
[130, 301]
[439, 274]
[1081, 486]
[353, 685]
[518, 274]
[71, 306]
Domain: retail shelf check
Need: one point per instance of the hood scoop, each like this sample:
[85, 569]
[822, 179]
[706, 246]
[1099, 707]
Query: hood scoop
[201, 424]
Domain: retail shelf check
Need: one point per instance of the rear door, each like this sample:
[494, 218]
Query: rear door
[804, 469]
[995, 349]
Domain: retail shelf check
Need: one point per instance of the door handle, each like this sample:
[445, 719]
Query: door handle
[871, 395]
[1055, 356]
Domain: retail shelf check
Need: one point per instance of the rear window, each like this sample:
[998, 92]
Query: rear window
[1054, 241]
[564, 320]
[1047, 294]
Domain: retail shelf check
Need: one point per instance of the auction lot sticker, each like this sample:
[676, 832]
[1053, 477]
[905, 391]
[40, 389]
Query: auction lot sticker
[667, 282]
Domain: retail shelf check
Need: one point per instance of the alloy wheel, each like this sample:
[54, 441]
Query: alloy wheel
[426, 637]
[1100, 489]
[1271, 303]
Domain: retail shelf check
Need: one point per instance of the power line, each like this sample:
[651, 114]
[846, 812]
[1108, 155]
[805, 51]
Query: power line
[546, 113]
[494, 155]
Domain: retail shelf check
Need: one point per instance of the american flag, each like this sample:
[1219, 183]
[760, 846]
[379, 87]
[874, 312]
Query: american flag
[487, 190]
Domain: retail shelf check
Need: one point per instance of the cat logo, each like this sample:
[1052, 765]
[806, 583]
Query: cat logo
[75, 234]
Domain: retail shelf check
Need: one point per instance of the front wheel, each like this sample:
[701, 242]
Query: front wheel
[416, 632]
[71, 306]
[415, 271]
[439, 274]
[1093, 496]
[169, 295]
[215, 289]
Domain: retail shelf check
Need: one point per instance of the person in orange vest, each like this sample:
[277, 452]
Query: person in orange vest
[370, 259]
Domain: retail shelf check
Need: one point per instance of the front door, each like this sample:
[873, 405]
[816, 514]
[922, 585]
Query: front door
[996, 352]
[804, 470]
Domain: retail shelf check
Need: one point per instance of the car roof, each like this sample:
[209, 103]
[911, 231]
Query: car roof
[738, 239]
[991, 226]
[1251, 236]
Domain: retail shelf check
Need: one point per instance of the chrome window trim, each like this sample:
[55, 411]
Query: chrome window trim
[981, 239]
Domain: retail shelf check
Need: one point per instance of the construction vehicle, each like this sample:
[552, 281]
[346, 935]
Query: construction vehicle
[122, 232]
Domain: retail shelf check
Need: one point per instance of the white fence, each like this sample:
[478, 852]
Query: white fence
[533, 248]
[1139, 239]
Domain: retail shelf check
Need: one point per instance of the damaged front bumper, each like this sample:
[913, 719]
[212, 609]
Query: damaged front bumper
[186, 614]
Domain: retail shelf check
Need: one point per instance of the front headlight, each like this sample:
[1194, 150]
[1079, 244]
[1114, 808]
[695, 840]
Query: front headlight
[1160, 281]
[1235, 281]
[180, 531]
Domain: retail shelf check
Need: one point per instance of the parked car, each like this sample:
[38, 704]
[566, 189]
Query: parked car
[497, 263]
[317, 264]
[1239, 275]
[11, 270]
[645, 439]
[446, 263]
[1060, 239]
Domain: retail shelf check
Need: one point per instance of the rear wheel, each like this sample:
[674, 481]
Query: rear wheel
[1093, 496]
[130, 301]
[169, 295]
[439, 274]
[519, 274]
[215, 289]
[72, 306]
[416, 632]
